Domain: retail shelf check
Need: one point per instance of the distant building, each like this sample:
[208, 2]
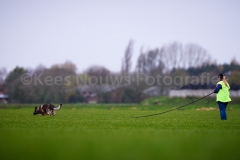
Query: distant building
[198, 93]
[93, 98]
[201, 90]
[3, 98]
[155, 91]
[189, 90]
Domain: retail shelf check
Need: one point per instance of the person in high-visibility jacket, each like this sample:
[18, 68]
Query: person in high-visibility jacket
[223, 96]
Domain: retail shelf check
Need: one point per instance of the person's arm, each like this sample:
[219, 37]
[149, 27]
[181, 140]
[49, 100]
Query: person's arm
[218, 87]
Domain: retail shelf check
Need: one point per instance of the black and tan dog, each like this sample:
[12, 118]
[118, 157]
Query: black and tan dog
[46, 109]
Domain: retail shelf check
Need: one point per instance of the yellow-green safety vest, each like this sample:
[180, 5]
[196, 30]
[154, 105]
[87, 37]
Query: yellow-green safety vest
[223, 94]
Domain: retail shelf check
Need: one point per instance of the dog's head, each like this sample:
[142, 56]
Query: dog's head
[36, 111]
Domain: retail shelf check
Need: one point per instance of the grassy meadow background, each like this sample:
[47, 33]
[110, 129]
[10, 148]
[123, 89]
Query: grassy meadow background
[100, 131]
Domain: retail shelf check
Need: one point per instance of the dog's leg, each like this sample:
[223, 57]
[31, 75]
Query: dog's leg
[48, 111]
[53, 113]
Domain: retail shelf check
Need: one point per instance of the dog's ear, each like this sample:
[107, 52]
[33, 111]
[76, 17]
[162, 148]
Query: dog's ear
[35, 107]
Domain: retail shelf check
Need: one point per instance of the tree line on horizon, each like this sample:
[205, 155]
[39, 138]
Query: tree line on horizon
[62, 83]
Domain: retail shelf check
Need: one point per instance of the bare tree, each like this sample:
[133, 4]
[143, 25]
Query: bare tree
[175, 56]
[150, 63]
[126, 62]
[98, 75]
[140, 62]
[69, 66]
[172, 55]
[3, 73]
[196, 56]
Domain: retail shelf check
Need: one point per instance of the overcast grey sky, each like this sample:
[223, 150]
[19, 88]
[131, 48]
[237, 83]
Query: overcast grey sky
[87, 32]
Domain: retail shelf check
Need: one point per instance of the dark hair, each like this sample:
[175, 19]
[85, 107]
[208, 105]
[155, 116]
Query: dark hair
[221, 76]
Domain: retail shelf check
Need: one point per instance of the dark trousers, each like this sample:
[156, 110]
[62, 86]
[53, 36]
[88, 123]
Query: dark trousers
[222, 108]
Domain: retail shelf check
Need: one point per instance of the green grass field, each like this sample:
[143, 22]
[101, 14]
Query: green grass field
[109, 132]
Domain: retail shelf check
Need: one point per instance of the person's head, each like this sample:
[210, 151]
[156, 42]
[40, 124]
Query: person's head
[220, 77]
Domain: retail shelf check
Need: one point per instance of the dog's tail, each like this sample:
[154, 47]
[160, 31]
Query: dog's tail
[57, 108]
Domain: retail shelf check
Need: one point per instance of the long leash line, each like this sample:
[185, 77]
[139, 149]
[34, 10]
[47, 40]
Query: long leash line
[174, 108]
